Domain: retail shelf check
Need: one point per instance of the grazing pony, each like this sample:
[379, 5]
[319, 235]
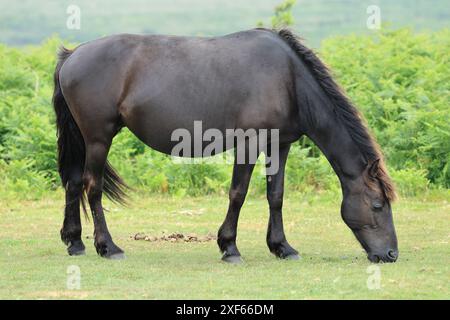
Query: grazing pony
[256, 79]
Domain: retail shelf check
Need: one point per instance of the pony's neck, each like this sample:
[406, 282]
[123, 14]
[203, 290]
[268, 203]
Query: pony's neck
[333, 139]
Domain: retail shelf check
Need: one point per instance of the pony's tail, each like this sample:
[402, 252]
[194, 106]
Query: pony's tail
[71, 146]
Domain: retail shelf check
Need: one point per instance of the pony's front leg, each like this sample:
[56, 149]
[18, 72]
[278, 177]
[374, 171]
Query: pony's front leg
[96, 154]
[228, 231]
[276, 239]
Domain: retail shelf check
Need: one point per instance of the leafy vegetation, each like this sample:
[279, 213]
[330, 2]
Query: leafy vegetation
[399, 80]
[282, 15]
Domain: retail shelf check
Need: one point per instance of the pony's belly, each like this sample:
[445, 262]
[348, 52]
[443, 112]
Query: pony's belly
[167, 132]
[186, 144]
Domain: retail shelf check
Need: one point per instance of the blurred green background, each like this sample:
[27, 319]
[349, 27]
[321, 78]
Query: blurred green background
[31, 21]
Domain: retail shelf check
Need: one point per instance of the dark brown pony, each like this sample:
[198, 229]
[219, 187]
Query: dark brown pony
[254, 79]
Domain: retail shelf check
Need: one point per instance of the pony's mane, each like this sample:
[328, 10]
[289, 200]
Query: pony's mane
[344, 109]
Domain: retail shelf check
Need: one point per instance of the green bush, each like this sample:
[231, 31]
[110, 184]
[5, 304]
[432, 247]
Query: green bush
[307, 172]
[401, 83]
[410, 182]
[399, 80]
[20, 178]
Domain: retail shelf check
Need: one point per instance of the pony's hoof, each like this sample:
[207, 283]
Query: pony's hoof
[116, 256]
[109, 250]
[292, 257]
[77, 252]
[232, 259]
[76, 248]
[283, 251]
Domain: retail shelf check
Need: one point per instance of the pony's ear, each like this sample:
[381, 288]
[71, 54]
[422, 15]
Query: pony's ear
[373, 168]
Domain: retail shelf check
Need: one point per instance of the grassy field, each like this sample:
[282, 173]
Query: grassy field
[33, 263]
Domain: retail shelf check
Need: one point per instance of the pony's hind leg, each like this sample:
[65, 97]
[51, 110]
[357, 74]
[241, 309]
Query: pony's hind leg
[276, 239]
[96, 154]
[71, 229]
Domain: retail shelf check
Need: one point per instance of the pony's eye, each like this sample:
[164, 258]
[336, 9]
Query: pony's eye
[377, 206]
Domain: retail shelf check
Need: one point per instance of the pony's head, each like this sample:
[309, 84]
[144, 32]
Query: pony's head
[366, 209]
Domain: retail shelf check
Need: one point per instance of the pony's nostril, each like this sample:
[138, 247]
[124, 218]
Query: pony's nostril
[392, 254]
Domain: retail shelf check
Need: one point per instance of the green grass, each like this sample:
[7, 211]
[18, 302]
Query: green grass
[33, 261]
